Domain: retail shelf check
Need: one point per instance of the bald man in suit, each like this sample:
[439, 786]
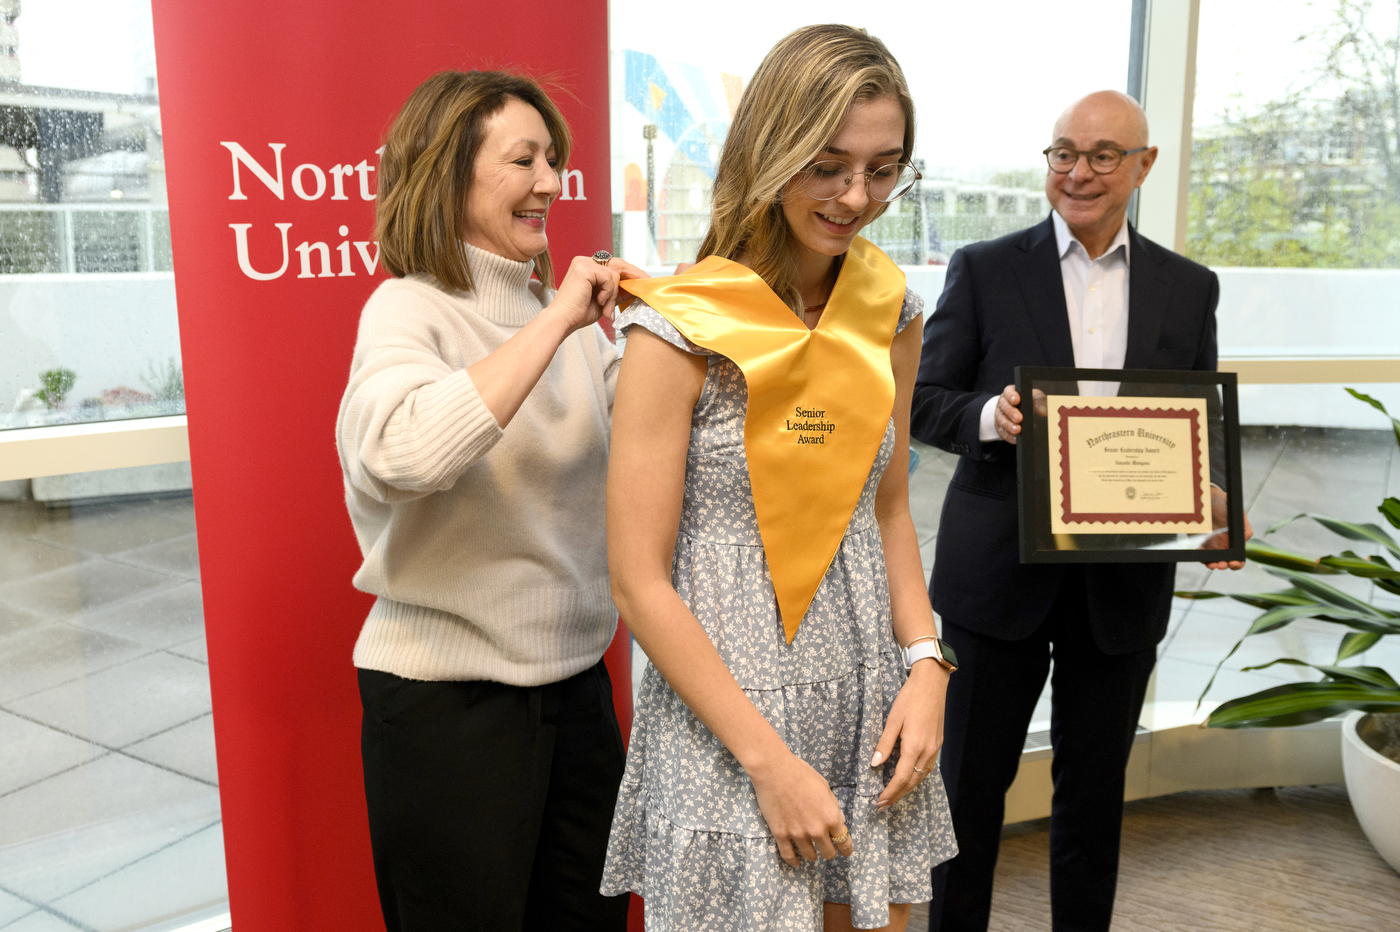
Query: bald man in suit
[1082, 288]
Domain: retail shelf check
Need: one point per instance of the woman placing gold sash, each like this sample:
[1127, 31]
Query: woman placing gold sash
[759, 536]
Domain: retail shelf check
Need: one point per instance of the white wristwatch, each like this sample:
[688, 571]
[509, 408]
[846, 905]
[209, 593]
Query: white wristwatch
[937, 648]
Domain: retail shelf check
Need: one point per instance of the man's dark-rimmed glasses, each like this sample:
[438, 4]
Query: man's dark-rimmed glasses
[1062, 159]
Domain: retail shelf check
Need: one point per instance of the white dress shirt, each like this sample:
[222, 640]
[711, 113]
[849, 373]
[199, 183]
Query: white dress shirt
[1096, 296]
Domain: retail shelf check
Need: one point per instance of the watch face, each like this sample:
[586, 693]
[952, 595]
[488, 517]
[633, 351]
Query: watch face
[949, 656]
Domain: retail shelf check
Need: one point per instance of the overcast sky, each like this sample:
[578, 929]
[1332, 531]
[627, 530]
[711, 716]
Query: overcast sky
[93, 45]
[1247, 51]
[989, 78]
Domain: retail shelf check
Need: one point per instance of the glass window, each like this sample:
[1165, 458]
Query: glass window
[109, 798]
[987, 96]
[1294, 201]
[89, 330]
[1295, 193]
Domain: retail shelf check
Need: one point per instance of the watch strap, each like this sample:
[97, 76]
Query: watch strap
[937, 648]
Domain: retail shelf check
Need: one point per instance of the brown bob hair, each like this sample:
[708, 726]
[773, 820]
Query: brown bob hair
[791, 109]
[425, 171]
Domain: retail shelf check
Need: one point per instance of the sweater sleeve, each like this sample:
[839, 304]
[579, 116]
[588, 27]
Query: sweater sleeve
[611, 361]
[410, 424]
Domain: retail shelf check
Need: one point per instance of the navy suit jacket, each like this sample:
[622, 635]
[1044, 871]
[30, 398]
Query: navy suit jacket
[1003, 305]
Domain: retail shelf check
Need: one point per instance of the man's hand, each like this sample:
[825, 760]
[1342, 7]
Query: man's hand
[1219, 519]
[1008, 415]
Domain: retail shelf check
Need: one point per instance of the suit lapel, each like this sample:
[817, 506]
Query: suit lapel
[1149, 293]
[1036, 264]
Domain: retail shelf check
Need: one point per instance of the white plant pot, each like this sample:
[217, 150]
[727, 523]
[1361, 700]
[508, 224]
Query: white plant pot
[1373, 782]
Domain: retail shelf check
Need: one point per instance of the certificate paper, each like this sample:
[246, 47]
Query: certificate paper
[1128, 465]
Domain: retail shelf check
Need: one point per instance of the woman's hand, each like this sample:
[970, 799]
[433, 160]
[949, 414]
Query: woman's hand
[801, 811]
[916, 720]
[589, 291]
[509, 373]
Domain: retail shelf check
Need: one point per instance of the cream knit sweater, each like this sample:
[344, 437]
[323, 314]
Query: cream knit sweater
[487, 547]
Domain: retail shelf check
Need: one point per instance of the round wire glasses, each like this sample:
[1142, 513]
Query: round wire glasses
[1101, 161]
[830, 178]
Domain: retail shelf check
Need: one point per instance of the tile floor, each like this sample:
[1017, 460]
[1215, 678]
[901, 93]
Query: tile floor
[109, 799]
[109, 810]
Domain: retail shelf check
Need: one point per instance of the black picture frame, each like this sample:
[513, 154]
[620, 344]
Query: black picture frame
[1038, 544]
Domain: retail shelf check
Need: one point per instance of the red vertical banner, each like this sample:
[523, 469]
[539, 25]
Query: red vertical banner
[272, 113]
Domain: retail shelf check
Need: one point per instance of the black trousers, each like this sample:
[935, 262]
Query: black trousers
[1096, 700]
[490, 805]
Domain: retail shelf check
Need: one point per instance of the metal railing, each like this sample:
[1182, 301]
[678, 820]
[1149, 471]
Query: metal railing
[84, 238]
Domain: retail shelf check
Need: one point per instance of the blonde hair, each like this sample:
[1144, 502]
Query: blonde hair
[791, 109]
[425, 171]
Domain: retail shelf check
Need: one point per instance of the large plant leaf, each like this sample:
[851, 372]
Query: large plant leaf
[1269, 555]
[1367, 621]
[1365, 567]
[1364, 533]
[1283, 615]
[1300, 703]
[1259, 600]
[1216, 672]
[1394, 424]
[1356, 642]
[1391, 509]
[1268, 600]
[1271, 620]
[1389, 585]
[1332, 596]
[1362, 676]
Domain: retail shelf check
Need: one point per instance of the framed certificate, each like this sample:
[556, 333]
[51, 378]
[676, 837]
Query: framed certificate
[1128, 465]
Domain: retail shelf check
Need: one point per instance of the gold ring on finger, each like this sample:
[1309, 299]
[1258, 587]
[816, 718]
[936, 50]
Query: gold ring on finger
[842, 838]
[920, 772]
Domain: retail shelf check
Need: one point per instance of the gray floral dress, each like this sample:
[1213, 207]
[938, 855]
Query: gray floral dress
[687, 833]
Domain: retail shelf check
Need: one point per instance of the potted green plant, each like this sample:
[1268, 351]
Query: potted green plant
[1368, 695]
[56, 384]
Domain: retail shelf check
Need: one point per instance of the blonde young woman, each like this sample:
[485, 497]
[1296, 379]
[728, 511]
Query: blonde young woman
[781, 773]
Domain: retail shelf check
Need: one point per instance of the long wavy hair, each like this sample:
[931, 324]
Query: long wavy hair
[791, 109]
[425, 171]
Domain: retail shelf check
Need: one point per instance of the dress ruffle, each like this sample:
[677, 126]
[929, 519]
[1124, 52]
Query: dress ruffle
[687, 817]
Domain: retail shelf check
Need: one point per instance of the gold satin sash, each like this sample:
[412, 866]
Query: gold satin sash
[819, 400]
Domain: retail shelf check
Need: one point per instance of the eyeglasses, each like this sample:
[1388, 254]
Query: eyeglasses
[829, 179]
[1102, 161]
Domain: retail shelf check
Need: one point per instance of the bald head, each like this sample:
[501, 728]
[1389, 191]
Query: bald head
[1108, 115]
[1094, 205]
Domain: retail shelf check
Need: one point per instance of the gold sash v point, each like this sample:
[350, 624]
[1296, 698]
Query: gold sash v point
[819, 400]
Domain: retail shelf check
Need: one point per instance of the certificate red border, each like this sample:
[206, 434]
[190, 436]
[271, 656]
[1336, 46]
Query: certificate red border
[1179, 414]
